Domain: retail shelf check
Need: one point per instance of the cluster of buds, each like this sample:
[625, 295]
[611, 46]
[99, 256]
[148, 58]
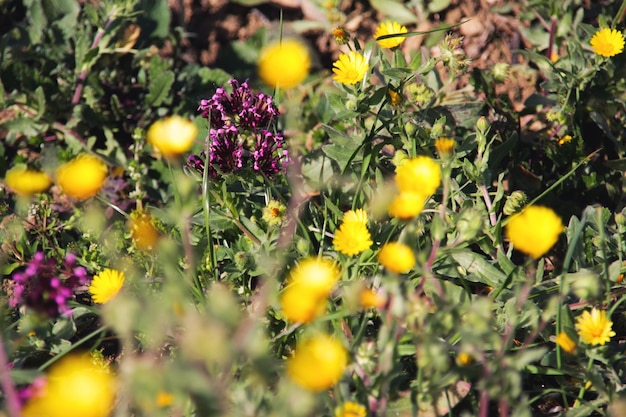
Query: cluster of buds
[452, 54]
[241, 134]
[46, 287]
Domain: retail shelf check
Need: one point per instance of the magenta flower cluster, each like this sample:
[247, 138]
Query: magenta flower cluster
[241, 133]
[46, 287]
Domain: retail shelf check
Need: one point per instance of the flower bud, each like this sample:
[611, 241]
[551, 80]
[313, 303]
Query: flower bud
[482, 125]
[515, 202]
[501, 71]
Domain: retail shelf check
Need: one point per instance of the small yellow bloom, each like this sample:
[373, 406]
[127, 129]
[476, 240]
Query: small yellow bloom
[106, 285]
[353, 237]
[341, 36]
[464, 359]
[164, 399]
[351, 409]
[396, 257]
[407, 205]
[299, 305]
[26, 181]
[172, 136]
[371, 299]
[534, 230]
[395, 98]
[75, 388]
[564, 341]
[350, 68]
[554, 56]
[318, 363]
[594, 328]
[318, 276]
[607, 42]
[444, 146]
[389, 28]
[284, 64]
[82, 177]
[143, 232]
[564, 139]
[274, 213]
[421, 175]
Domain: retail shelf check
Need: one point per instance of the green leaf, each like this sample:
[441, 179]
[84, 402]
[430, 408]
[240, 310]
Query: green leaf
[447, 400]
[395, 10]
[37, 20]
[478, 269]
[342, 147]
[41, 102]
[159, 88]
[436, 6]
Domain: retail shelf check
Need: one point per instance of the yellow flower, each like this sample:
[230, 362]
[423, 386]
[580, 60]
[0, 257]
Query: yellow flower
[564, 341]
[594, 328]
[341, 35]
[172, 136]
[318, 276]
[350, 68]
[82, 177]
[464, 359]
[563, 140]
[299, 305]
[407, 205]
[106, 285]
[353, 237]
[75, 387]
[371, 299]
[164, 399]
[284, 64]
[274, 213]
[444, 146]
[395, 98]
[534, 230]
[143, 232]
[607, 42]
[389, 28]
[396, 257]
[318, 363]
[26, 181]
[421, 175]
[351, 409]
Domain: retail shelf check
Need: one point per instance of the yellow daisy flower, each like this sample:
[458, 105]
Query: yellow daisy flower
[318, 363]
[274, 213]
[534, 230]
[406, 205]
[353, 237]
[284, 64]
[350, 68]
[389, 28]
[75, 387]
[106, 285]
[565, 342]
[299, 305]
[421, 175]
[396, 257]
[25, 181]
[444, 146]
[172, 136]
[358, 215]
[594, 328]
[318, 276]
[351, 409]
[82, 177]
[607, 42]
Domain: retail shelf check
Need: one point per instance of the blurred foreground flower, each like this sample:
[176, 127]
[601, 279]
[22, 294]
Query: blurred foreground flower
[594, 328]
[75, 387]
[318, 363]
[25, 181]
[284, 64]
[607, 42]
[352, 237]
[396, 257]
[350, 68]
[407, 205]
[534, 230]
[444, 146]
[389, 28]
[106, 285]
[143, 232]
[45, 287]
[82, 177]
[318, 275]
[172, 136]
[421, 175]
[564, 341]
[350, 409]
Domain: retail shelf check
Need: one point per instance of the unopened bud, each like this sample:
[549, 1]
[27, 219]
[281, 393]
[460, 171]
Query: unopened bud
[515, 202]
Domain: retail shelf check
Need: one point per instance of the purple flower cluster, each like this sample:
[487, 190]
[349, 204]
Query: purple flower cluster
[240, 135]
[45, 287]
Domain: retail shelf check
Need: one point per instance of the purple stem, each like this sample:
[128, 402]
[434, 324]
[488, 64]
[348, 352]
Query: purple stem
[12, 399]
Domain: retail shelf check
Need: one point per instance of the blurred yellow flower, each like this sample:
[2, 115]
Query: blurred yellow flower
[25, 181]
[534, 230]
[318, 276]
[371, 299]
[350, 409]
[350, 68]
[82, 177]
[299, 305]
[464, 359]
[143, 232]
[75, 387]
[564, 139]
[172, 136]
[396, 257]
[389, 28]
[565, 342]
[444, 146]
[594, 328]
[318, 363]
[352, 237]
[421, 175]
[341, 35]
[607, 42]
[164, 399]
[106, 285]
[284, 64]
[406, 205]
